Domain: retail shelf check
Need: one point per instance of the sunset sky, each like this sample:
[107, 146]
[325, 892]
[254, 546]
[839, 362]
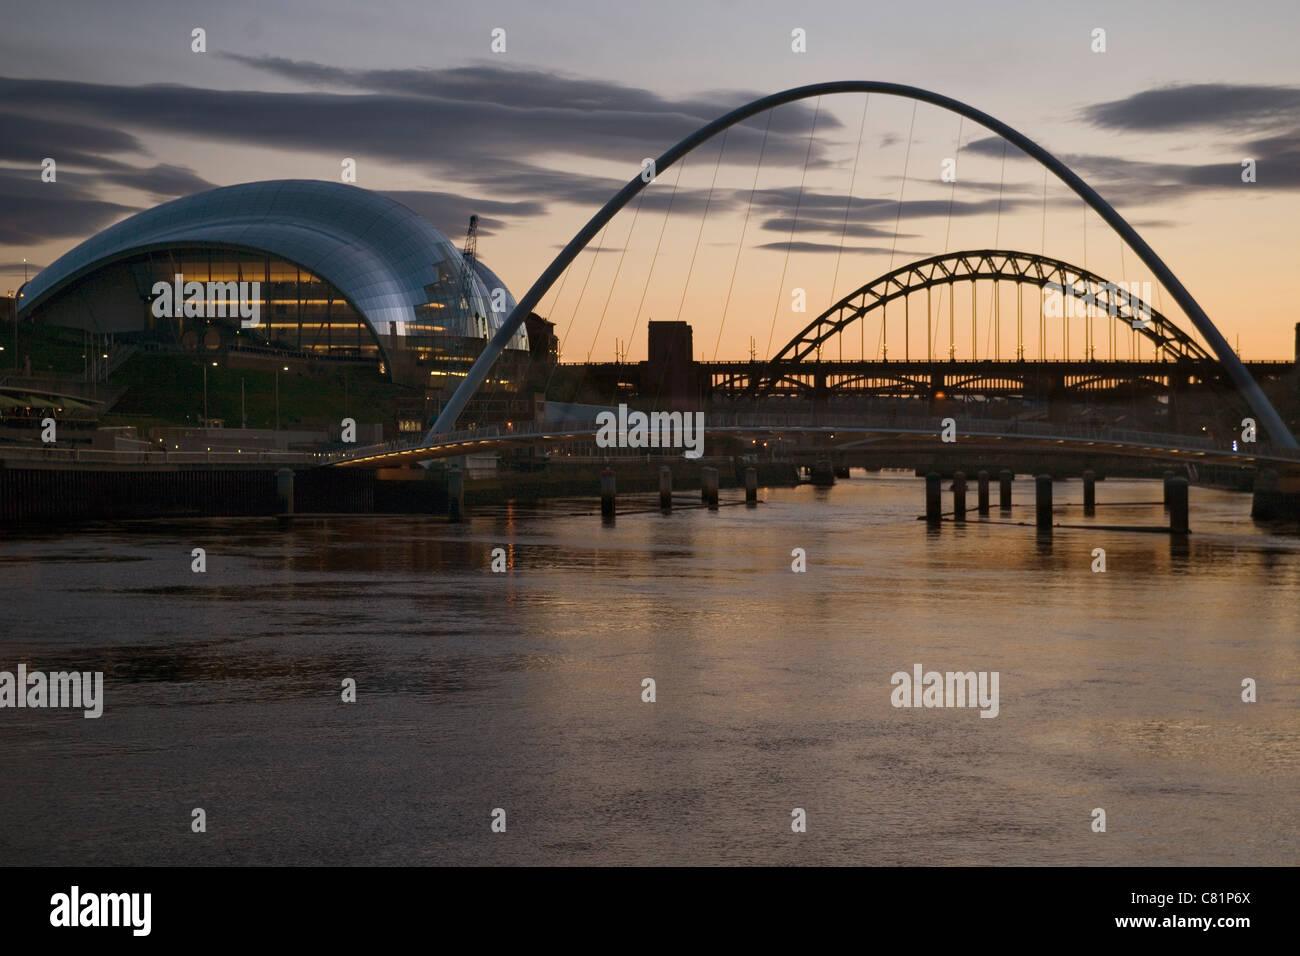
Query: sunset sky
[535, 139]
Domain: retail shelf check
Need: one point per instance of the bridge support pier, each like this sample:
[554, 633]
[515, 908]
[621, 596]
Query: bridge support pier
[959, 496]
[823, 473]
[1043, 502]
[751, 486]
[455, 493]
[983, 477]
[933, 500]
[1168, 476]
[666, 488]
[284, 490]
[709, 486]
[1276, 497]
[1176, 489]
[1004, 490]
[607, 492]
[1089, 493]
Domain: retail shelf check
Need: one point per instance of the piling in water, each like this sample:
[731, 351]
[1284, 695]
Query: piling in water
[1089, 493]
[666, 488]
[1168, 476]
[1267, 496]
[823, 473]
[1176, 489]
[959, 496]
[1043, 501]
[607, 493]
[709, 486]
[455, 494]
[983, 477]
[933, 502]
[284, 490]
[751, 485]
[1004, 490]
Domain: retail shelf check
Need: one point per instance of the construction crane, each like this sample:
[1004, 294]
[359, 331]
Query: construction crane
[471, 241]
[469, 254]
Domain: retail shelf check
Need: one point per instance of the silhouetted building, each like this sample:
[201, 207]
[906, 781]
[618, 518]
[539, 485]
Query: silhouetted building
[670, 370]
[543, 345]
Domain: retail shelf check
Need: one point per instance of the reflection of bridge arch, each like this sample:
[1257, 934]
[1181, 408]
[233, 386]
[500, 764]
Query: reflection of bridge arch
[1102, 298]
[1259, 403]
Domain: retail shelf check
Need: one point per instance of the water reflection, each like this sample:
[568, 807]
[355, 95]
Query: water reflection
[477, 688]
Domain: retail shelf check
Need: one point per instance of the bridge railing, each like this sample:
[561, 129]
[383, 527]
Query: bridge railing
[990, 426]
[830, 421]
[151, 456]
[468, 437]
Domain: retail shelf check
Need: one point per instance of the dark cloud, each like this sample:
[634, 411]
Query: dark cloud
[466, 125]
[510, 177]
[993, 146]
[449, 210]
[802, 246]
[26, 137]
[162, 181]
[477, 119]
[591, 248]
[29, 139]
[870, 218]
[1135, 182]
[856, 230]
[1199, 105]
[539, 90]
[35, 212]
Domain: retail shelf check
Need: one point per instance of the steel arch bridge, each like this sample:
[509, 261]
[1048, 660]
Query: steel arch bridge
[1006, 378]
[1236, 372]
[1097, 294]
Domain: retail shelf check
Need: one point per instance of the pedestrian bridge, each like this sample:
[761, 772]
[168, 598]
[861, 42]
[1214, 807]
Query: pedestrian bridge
[834, 433]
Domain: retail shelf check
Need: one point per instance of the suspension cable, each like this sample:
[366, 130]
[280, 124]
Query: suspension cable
[735, 266]
[700, 233]
[780, 289]
[622, 255]
[655, 258]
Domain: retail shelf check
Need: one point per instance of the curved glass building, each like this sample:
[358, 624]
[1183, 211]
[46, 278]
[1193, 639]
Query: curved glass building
[342, 273]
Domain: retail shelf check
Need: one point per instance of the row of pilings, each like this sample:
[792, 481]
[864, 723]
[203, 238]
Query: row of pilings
[1175, 499]
[708, 489]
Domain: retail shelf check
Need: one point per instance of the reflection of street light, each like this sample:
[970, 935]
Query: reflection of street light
[277, 395]
[205, 394]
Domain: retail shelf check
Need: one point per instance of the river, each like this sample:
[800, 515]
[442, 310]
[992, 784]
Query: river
[522, 690]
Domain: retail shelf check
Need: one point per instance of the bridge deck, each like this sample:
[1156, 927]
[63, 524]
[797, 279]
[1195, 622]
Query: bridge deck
[849, 433]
